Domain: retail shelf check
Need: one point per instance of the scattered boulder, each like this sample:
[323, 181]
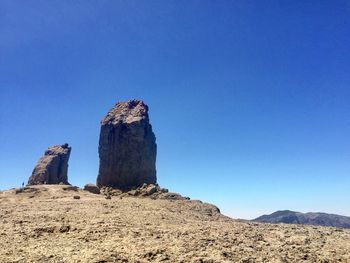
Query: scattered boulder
[92, 188]
[164, 190]
[148, 189]
[70, 188]
[76, 197]
[127, 147]
[64, 229]
[134, 192]
[52, 168]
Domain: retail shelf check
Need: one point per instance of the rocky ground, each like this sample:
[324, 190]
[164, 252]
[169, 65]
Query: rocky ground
[64, 224]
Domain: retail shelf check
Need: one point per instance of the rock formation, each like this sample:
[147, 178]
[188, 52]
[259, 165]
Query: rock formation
[52, 168]
[92, 188]
[127, 147]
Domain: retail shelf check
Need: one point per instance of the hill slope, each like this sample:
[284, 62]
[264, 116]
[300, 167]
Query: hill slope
[319, 219]
[46, 224]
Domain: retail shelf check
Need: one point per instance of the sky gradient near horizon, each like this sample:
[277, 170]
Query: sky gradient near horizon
[249, 100]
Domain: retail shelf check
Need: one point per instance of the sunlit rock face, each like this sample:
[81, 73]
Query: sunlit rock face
[52, 168]
[127, 147]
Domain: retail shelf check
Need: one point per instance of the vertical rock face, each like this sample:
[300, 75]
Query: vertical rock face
[52, 168]
[127, 147]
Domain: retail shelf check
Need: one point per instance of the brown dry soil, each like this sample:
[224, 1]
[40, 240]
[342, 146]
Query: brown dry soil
[46, 224]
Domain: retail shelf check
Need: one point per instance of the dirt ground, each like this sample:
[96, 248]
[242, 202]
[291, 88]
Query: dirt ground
[47, 224]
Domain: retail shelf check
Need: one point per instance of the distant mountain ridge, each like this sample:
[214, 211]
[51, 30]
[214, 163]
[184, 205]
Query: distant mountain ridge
[292, 217]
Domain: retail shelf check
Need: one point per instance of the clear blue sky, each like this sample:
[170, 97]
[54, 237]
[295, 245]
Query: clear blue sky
[249, 100]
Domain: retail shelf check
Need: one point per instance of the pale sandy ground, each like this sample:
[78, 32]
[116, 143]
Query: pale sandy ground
[48, 225]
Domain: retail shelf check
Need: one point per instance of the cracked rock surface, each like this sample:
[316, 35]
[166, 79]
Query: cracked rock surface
[127, 147]
[52, 168]
[46, 224]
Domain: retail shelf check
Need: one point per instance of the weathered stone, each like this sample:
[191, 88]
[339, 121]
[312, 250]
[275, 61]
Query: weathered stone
[164, 190]
[52, 168]
[92, 188]
[71, 188]
[127, 147]
[134, 192]
[150, 189]
[64, 229]
[110, 191]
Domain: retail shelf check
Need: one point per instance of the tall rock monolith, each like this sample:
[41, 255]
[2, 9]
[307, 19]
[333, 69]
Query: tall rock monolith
[52, 168]
[127, 147]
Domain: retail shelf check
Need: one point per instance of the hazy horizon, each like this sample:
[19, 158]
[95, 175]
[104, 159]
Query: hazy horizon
[249, 101]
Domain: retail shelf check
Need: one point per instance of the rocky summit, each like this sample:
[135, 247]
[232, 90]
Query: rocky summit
[52, 168]
[59, 223]
[127, 147]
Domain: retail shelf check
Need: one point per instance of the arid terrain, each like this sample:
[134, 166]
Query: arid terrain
[47, 224]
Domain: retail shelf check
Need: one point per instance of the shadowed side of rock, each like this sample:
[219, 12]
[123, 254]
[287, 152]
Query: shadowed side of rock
[52, 168]
[127, 147]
